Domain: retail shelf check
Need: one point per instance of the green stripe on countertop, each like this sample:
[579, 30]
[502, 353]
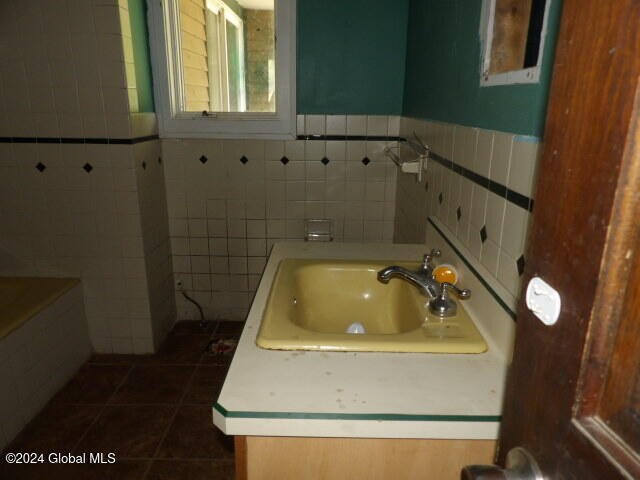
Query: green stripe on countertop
[395, 417]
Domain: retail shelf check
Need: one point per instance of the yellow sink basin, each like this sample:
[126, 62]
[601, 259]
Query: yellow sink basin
[312, 303]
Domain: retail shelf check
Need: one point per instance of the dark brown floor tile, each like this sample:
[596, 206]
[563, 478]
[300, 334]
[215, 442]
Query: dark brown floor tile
[224, 327]
[186, 327]
[219, 360]
[56, 429]
[118, 359]
[205, 385]
[190, 470]
[227, 330]
[128, 431]
[153, 384]
[135, 431]
[120, 470]
[230, 328]
[181, 349]
[93, 384]
[193, 435]
[37, 471]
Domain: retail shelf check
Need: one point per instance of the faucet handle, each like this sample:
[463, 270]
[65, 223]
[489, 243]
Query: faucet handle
[428, 257]
[461, 293]
[442, 305]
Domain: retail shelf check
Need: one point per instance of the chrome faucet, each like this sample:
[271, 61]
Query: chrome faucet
[422, 278]
[440, 304]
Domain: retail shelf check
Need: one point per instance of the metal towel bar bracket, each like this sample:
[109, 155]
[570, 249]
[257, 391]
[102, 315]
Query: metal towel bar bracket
[416, 166]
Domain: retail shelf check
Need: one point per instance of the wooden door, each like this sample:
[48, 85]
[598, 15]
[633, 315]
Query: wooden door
[573, 393]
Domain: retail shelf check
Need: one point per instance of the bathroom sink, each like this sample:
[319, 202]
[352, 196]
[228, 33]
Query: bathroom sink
[313, 303]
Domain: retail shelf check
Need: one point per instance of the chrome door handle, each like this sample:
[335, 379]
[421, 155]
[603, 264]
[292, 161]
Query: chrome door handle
[520, 465]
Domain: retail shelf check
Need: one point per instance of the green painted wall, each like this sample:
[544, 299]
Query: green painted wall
[443, 64]
[351, 56]
[141, 56]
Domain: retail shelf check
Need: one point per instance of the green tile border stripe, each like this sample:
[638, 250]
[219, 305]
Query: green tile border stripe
[357, 416]
[493, 293]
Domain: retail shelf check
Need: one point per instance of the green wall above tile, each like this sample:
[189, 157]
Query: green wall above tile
[443, 63]
[351, 56]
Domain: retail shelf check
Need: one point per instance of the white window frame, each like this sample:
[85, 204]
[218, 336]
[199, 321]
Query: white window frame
[168, 85]
[525, 75]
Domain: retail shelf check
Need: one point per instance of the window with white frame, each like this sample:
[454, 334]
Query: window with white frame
[512, 36]
[225, 48]
[224, 68]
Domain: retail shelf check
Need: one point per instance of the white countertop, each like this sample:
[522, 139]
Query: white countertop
[383, 395]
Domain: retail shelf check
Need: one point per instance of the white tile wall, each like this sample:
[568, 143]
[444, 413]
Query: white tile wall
[156, 267]
[507, 159]
[224, 216]
[62, 70]
[38, 358]
[66, 72]
[65, 221]
[74, 78]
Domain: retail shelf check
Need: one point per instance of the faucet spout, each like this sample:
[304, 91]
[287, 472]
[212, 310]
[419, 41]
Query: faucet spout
[423, 281]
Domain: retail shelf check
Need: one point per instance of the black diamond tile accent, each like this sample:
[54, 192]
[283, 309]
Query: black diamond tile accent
[244, 159]
[87, 167]
[160, 160]
[41, 167]
[324, 160]
[483, 234]
[459, 213]
[440, 198]
[426, 186]
[520, 264]
[284, 160]
[203, 159]
[366, 161]
[144, 165]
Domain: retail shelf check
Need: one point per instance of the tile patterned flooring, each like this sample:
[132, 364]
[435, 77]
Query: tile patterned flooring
[152, 411]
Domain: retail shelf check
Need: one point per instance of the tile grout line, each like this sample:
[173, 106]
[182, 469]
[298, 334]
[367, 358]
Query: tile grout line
[129, 366]
[169, 424]
[190, 381]
[104, 407]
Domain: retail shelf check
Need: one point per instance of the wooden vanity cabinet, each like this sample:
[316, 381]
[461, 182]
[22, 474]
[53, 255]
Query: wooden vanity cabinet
[310, 458]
